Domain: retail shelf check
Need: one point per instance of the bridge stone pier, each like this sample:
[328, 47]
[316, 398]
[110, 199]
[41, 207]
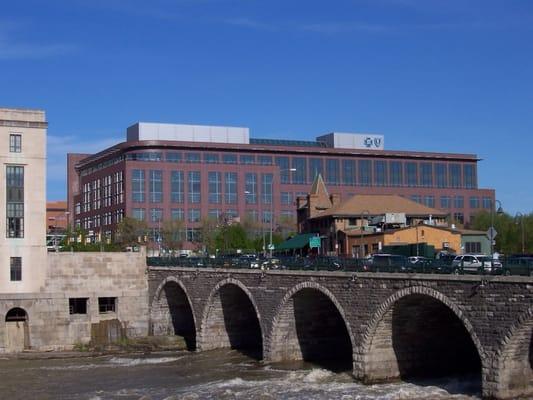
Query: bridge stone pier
[382, 327]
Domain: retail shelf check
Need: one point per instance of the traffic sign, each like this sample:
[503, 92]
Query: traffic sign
[314, 242]
[271, 247]
[491, 233]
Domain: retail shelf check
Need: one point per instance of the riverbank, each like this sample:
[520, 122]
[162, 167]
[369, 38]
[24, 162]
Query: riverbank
[143, 345]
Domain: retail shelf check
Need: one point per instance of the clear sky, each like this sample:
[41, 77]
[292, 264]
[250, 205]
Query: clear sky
[431, 75]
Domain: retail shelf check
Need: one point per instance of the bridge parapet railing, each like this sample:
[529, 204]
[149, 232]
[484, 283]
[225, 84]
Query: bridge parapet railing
[514, 266]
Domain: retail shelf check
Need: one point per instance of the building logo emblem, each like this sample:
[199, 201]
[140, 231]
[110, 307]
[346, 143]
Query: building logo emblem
[372, 142]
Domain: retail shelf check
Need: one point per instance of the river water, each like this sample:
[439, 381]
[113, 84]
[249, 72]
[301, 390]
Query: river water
[220, 374]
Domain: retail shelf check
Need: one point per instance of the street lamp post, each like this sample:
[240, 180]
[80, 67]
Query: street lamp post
[498, 211]
[521, 216]
[272, 206]
[361, 245]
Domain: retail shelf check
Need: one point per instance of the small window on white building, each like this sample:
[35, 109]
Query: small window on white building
[107, 304]
[77, 305]
[15, 143]
[16, 268]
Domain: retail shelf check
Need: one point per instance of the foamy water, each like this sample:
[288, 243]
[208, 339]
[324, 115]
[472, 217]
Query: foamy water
[225, 375]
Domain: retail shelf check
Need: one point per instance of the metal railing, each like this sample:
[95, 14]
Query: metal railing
[501, 267]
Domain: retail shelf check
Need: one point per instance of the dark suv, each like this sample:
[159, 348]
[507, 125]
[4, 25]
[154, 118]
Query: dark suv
[389, 263]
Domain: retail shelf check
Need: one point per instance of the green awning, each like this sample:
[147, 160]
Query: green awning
[296, 242]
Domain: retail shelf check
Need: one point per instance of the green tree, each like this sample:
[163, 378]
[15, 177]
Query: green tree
[232, 237]
[131, 231]
[172, 234]
[509, 228]
[208, 234]
[286, 226]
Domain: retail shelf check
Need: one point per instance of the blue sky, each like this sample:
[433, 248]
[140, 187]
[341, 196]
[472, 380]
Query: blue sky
[431, 75]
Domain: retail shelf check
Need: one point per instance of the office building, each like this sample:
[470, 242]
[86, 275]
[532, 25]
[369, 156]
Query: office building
[189, 172]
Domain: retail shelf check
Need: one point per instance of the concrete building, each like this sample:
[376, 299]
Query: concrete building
[23, 176]
[190, 172]
[57, 300]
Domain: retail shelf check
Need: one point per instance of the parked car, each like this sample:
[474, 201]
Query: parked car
[475, 264]
[389, 263]
[417, 259]
[518, 266]
[329, 263]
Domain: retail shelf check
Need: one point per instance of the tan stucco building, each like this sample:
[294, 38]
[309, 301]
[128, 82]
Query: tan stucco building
[440, 238]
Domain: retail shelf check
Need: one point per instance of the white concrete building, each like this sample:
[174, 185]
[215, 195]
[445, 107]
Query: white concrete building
[23, 207]
[55, 301]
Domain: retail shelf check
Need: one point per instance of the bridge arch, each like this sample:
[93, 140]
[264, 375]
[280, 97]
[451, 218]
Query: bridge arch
[172, 312]
[514, 375]
[410, 325]
[231, 319]
[310, 324]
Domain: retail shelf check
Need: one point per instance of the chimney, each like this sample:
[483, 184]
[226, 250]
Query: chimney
[311, 204]
[300, 201]
[335, 199]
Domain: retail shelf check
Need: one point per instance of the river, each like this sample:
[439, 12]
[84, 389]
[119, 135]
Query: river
[220, 374]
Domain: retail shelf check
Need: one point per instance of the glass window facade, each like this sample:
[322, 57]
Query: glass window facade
[174, 156]
[14, 201]
[194, 215]
[137, 185]
[250, 188]
[426, 170]
[487, 203]
[458, 202]
[299, 176]
[177, 214]
[247, 159]
[230, 191]
[214, 214]
[138, 214]
[211, 158]
[156, 186]
[286, 198]
[176, 187]
[365, 172]
[156, 215]
[348, 172]
[396, 176]
[266, 188]
[429, 201]
[474, 202]
[455, 175]
[229, 159]
[332, 171]
[214, 182]
[316, 166]
[192, 157]
[380, 173]
[445, 202]
[411, 174]
[194, 187]
[441, 175]
[265, 160]
[469, 172]
[284, 173]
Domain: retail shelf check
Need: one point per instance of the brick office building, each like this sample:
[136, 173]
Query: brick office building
[165, 171]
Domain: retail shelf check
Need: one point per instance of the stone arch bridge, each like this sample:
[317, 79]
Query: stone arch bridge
[382, 327]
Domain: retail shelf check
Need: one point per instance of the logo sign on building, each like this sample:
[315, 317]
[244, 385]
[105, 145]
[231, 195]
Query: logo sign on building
[364, 141]
[314, 242]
